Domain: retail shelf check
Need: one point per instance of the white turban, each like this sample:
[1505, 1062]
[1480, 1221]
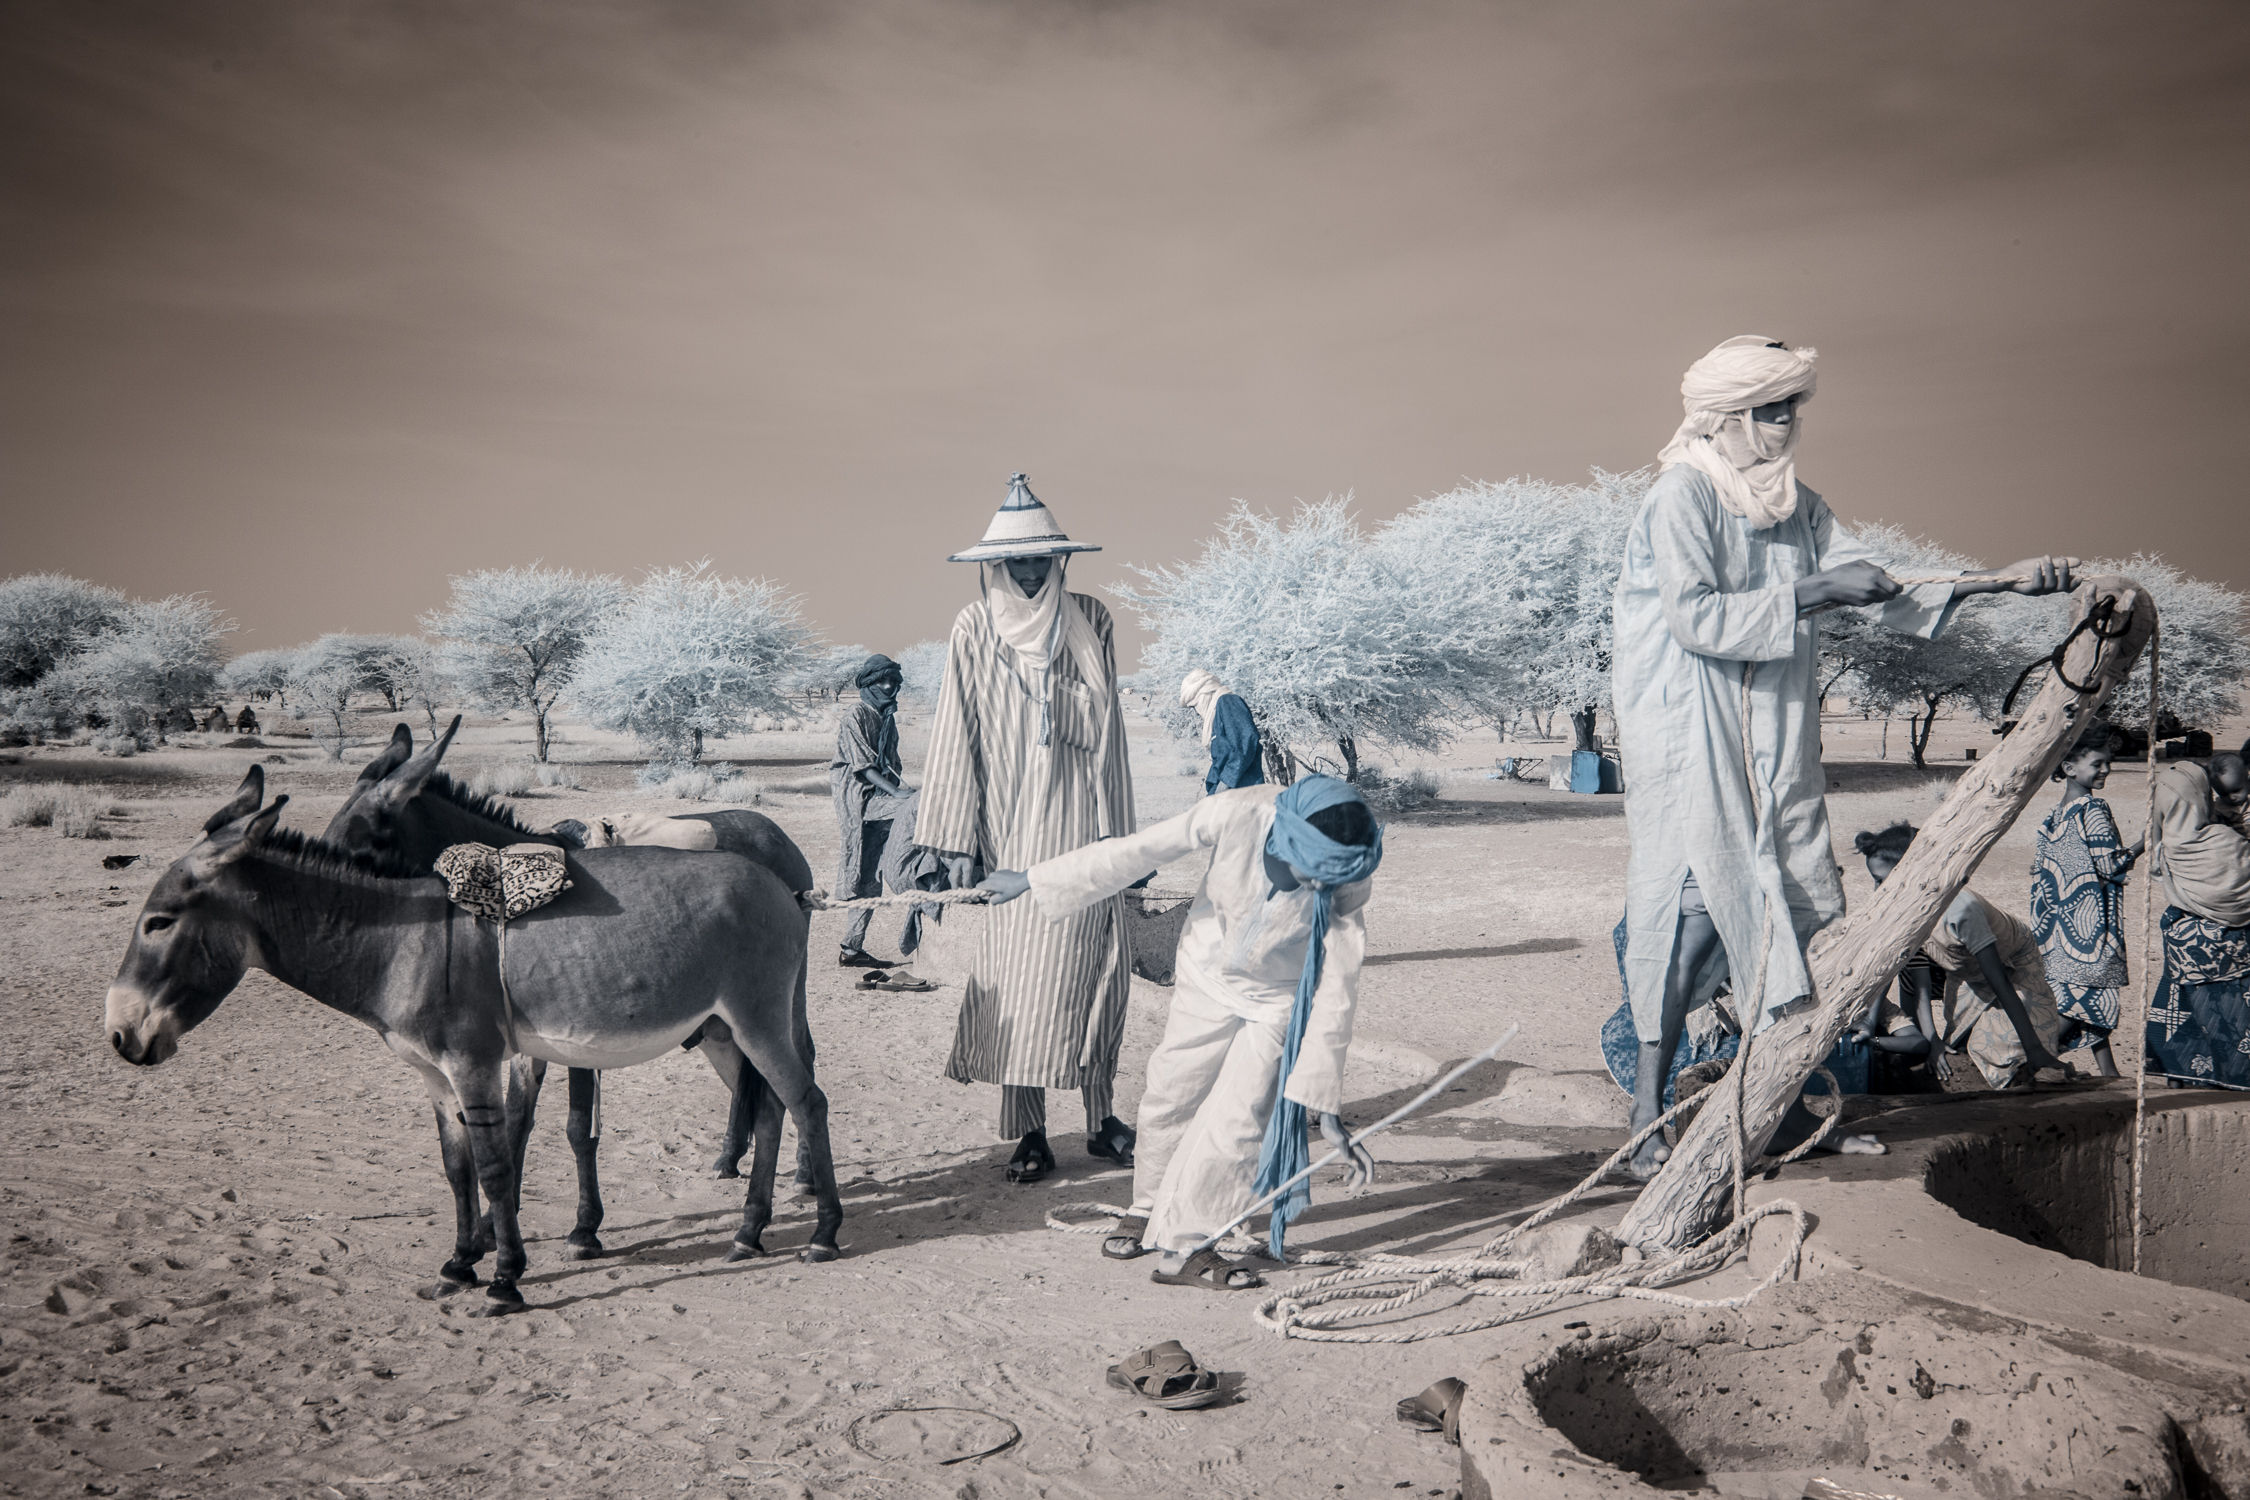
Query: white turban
[1201, 691]
[1753, 464]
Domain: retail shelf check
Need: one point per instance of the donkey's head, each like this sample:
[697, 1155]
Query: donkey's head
[196, 935]
[387, 817]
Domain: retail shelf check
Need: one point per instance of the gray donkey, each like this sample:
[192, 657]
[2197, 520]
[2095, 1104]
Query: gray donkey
[406, 811]
[636, 957]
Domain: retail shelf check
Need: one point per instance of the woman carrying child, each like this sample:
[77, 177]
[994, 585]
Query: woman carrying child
[1996, 1005]
[1268, 972]
[2078, 900]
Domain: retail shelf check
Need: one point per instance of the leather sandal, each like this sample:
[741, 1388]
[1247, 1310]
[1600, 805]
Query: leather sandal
[1113, 1142]
[1033, 1159]
[1210, 1270]
[1166, 1375]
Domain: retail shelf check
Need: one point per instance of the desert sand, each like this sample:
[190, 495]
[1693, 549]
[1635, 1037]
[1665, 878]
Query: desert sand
[214, 1269]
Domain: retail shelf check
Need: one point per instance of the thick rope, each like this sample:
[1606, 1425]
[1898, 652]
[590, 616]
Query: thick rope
[2151, 958]
[822, 901]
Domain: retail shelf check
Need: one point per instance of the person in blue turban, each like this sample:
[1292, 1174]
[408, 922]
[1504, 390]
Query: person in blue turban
[1261, 1018]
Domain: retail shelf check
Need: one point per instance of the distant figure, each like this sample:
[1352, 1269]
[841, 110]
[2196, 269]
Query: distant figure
[2078, 900]
[1027, 761]
[2199, 1027]
[246, 722]
[215, 722]
[875, 812]
[1229, 733]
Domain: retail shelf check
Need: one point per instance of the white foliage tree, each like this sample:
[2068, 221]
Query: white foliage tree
[690, 656]
[922, 671]
[323, 677]
[513, 636]
[47, 618]
[1308, 622]
[159, 660]
[260, 674]
[1510, 590]
[407, 672]
[829, 673]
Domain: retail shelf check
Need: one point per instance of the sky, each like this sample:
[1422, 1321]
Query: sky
[311, 306]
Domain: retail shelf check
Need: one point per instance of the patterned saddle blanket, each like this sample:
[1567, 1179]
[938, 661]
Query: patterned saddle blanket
[502, 883]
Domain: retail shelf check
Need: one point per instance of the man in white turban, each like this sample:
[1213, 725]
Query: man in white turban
[1717, 696]
[1229, 733]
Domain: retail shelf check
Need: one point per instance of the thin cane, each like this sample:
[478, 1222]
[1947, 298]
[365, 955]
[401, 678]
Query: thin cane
[1369, 1133]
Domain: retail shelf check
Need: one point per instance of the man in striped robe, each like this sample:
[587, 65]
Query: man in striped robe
[1027, 761]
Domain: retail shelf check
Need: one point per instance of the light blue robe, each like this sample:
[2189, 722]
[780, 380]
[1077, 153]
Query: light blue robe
[1702, 595]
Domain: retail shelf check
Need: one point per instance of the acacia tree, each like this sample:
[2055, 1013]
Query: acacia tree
[691, 656]
[922, 670]
[1307, 621]
[829, 673]
[260, 674]
[324, 675]
[160, 658]
[513, 636]
[47, 618]
[1512, 589]
[407, 673]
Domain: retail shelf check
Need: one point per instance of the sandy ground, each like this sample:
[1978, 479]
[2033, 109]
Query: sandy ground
[211, 1277]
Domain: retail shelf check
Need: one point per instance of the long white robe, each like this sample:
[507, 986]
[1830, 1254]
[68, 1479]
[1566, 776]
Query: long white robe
[1703, 598]
[1212, 1079]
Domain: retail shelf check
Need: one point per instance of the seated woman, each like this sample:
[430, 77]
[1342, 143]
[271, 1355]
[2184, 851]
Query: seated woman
[1995, 1004]
[2199, 1027]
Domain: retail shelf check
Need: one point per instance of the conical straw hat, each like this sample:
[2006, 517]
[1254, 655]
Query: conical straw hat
[1024, 527]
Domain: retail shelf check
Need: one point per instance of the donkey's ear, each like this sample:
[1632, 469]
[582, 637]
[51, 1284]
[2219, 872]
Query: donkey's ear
[232, 840]
[395, 754]
[410, 778]
[245, 801]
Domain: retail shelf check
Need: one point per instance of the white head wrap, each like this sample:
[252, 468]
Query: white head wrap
[2203, 861]
[1201, 691]
[1753, 464]
[1047, 622]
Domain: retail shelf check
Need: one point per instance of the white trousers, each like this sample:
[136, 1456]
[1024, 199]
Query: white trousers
[1211, 1087]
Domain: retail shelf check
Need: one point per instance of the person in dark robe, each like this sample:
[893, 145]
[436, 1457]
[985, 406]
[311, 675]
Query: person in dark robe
[1229, 733]
[875, 812]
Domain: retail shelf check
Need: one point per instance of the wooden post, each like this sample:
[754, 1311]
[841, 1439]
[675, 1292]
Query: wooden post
[1855, 959]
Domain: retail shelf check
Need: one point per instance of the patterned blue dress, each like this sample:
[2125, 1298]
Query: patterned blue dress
[2078, 915]
[2199, 1027]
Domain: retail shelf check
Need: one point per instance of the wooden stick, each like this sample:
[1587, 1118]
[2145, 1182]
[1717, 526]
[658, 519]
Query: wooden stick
[1856, 959]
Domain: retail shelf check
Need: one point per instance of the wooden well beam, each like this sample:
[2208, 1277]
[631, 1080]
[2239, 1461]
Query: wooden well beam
[1856, 958]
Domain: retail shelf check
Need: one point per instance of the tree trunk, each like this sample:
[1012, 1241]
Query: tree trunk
[695, 748]
[1278, 769]
[1350, 751]
[1885, 752]
[1855, 960]
[539, 730]
[1582, 720]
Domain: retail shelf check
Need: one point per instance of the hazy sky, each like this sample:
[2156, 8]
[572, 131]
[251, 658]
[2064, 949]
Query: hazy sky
[309, 305]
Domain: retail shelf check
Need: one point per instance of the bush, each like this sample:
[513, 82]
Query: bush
[1386, 793]
[502, 781]
[72, 810]
[715, 783]
[547, 773]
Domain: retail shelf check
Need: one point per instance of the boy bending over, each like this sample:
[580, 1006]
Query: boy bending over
[1268, 971]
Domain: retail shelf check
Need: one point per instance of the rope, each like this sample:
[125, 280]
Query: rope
[822, 901]
[2150, 957]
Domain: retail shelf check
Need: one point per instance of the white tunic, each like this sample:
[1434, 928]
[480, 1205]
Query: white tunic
[1703, 599]
[1244, 942]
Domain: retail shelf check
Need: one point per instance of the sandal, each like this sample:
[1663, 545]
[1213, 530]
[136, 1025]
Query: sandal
[1033, 1160]
[904, 984]
[860, 959]
[1126, 1245]
[1208, 1269]
[1437, 1409]
[1167, 1376]
[1114, 1141]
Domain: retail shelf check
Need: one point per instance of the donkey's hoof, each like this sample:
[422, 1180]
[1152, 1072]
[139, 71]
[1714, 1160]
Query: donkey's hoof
[739, 1251]
[801, 1186]
[727, 1167]
[500, 1299]
[813, 1255]
[438, 1291]
[459, 1272]
[588, 1248]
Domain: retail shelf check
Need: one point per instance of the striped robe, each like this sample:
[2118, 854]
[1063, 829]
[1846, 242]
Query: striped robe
[1045, 1002]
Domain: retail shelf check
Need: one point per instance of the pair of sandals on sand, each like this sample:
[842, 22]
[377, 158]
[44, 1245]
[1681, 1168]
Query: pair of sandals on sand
[1035, 1159]
[880, 976]
[1167, 1375]
[1206, 1268]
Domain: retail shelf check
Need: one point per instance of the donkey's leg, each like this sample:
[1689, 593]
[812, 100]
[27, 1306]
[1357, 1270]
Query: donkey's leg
[585, 1140]
[757, 1199]
[775, 1053]
[716, 1041]
[801, 1025]
[460, 1172]
[524, 1076]
[484, 1110]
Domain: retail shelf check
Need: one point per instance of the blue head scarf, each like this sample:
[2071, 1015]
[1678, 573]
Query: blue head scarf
[1296, 841]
